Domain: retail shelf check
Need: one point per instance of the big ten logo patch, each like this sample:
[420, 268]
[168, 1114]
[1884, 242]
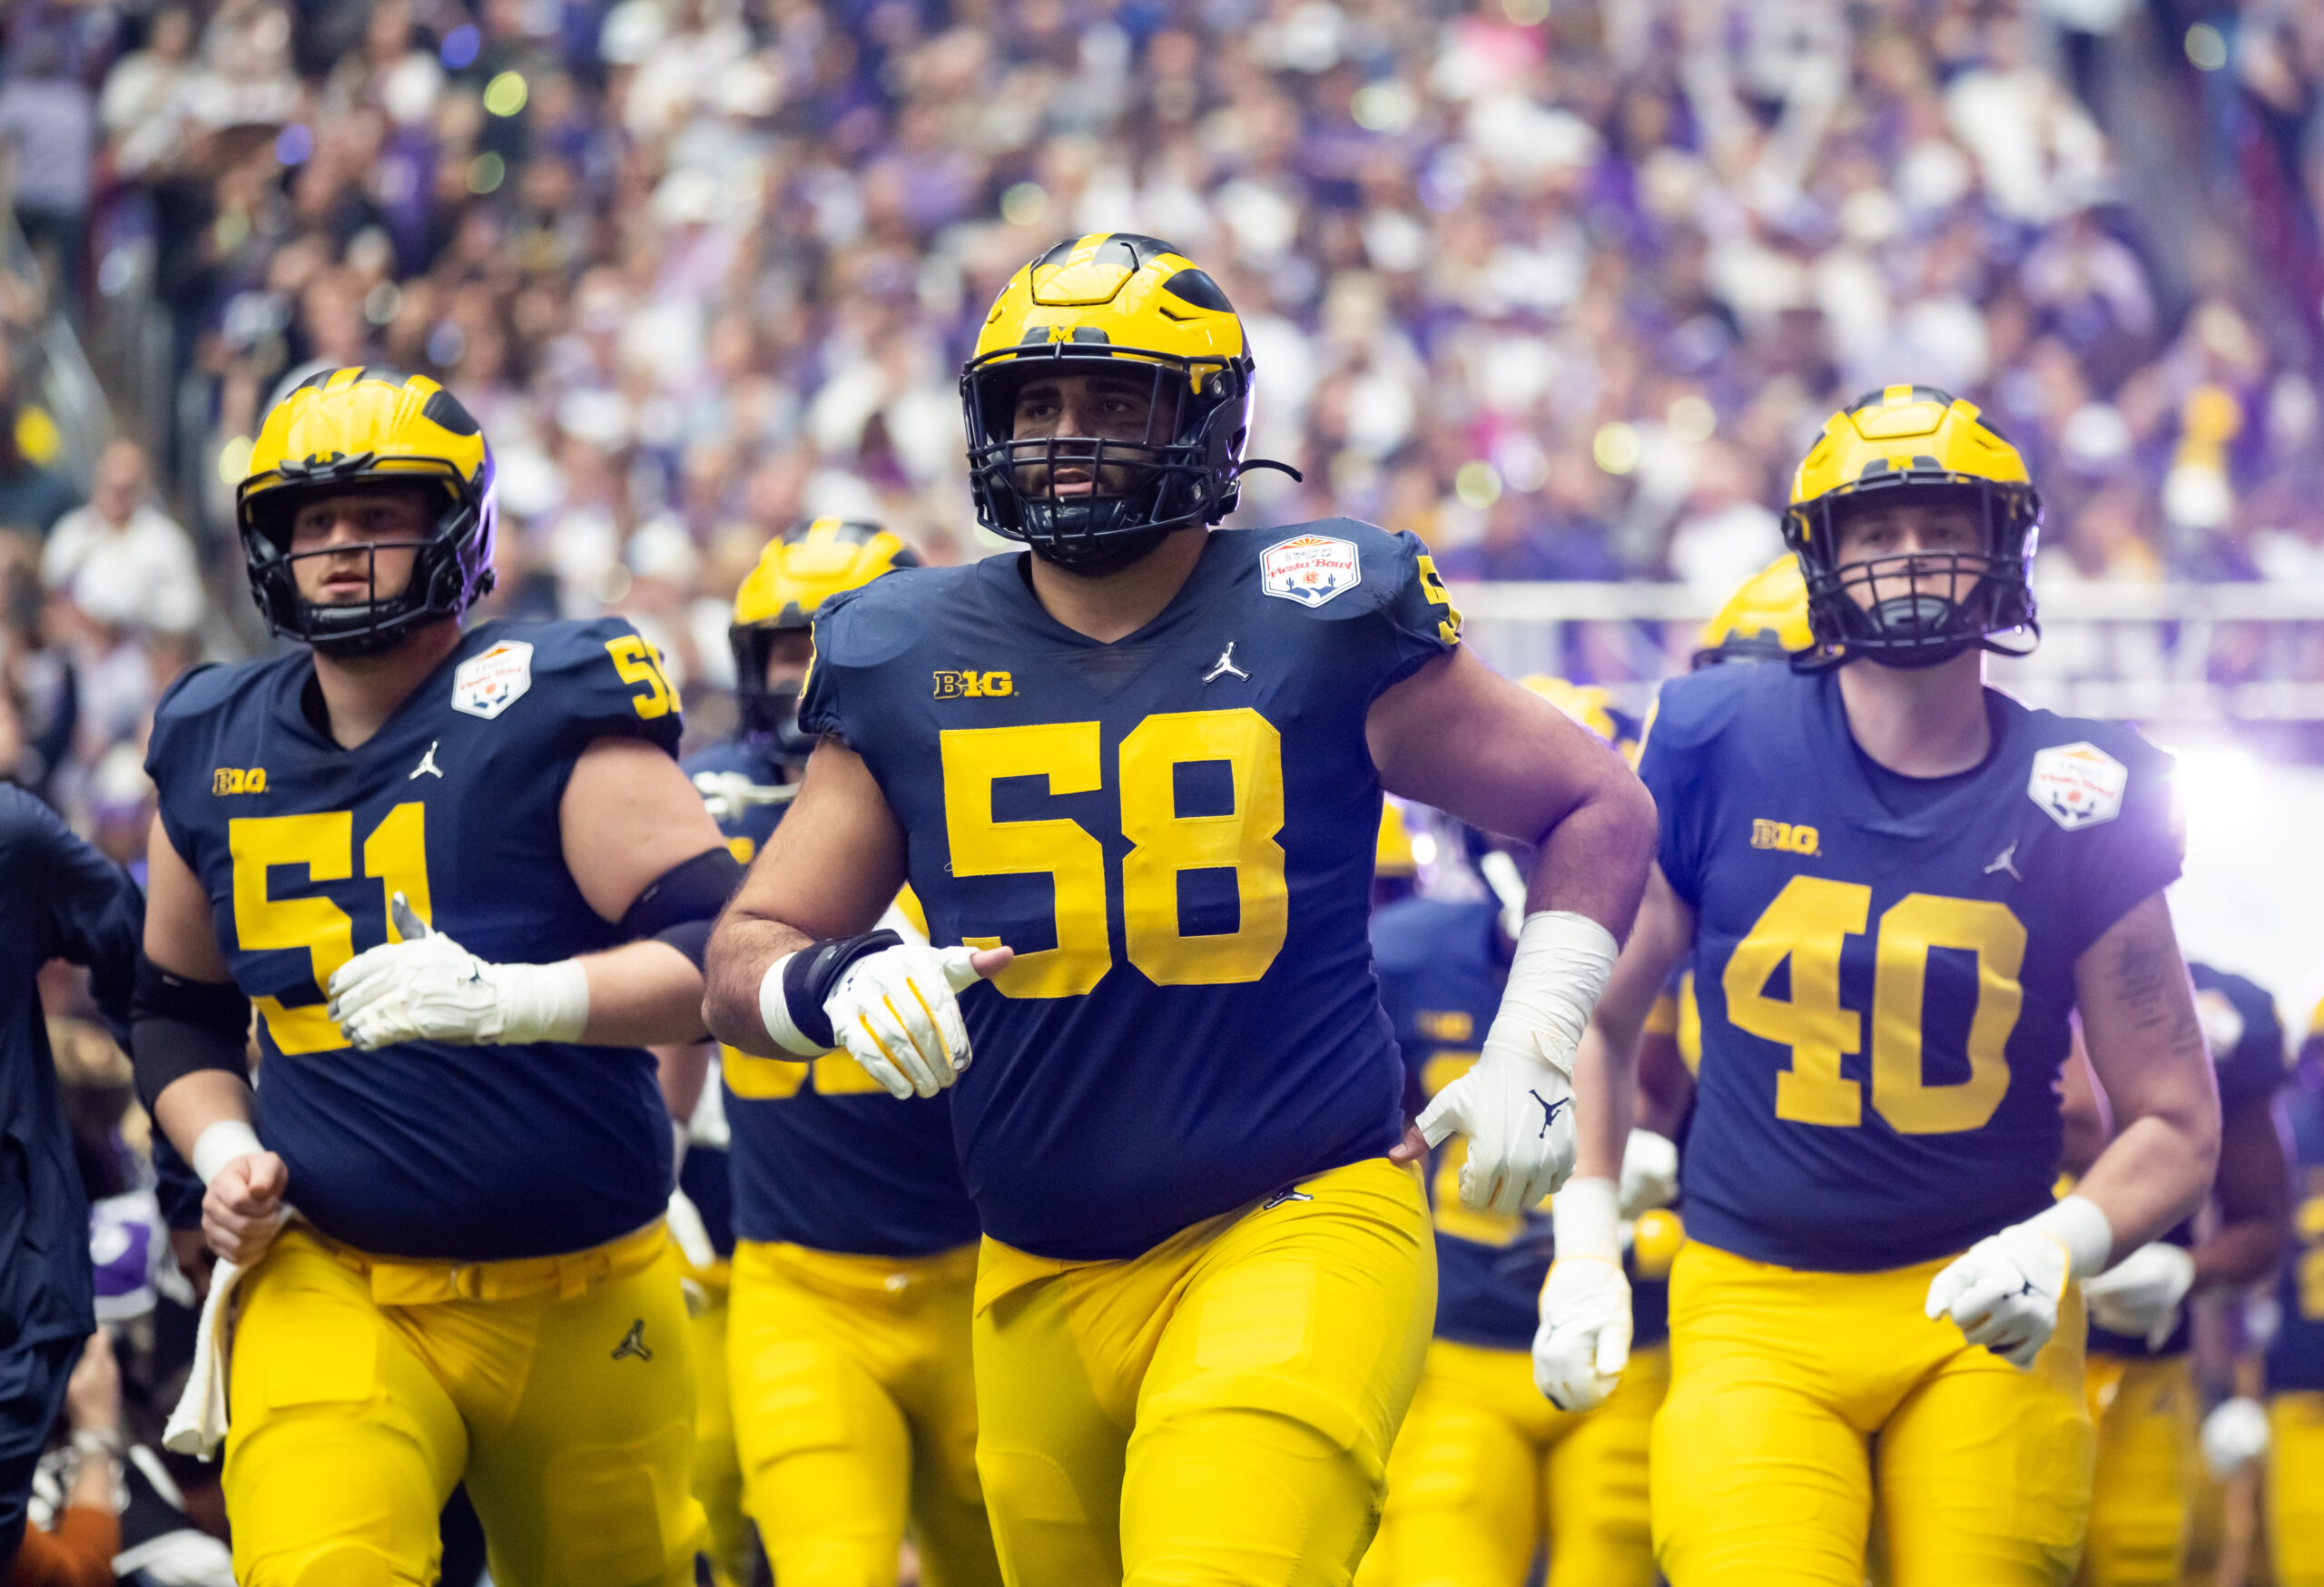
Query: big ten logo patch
[974, 685]
[238, 780]
[1784, 836]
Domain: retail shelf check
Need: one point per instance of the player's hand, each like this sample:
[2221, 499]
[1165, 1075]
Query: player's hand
[2139, 1294]
[1584, 1340]
[1650, 1172]
[1518, 1114]
[897, 1012]
[2003, 1292]
[2235, 1434]
[427, 988]
[243, 1209]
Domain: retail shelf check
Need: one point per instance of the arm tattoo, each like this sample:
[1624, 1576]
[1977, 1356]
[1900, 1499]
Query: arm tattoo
[2148, 973]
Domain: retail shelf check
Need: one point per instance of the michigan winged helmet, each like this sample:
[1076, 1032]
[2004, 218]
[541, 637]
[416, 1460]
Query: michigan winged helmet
[351, 430]
[1133, 310]
[1766, 619]
[796, 573]
[1914, 445]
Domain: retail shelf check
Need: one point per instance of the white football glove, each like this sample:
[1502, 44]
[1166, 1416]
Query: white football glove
[427, 988]
[1584, 1338]
[895, 1011]
[2139, 1294]
[1650, 1172]
[1516, 1102]
[2234, 1435]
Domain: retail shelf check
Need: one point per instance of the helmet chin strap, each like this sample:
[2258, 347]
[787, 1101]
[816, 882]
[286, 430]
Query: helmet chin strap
[1096, 557]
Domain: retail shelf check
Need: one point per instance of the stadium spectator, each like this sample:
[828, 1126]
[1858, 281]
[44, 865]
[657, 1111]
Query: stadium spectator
[122, 562]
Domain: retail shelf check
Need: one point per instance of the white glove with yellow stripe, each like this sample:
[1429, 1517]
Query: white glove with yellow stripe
[1584, 1340]
[2004, 1291]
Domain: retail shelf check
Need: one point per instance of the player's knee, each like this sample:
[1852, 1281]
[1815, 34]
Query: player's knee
[826, 1561]
[621, 1515]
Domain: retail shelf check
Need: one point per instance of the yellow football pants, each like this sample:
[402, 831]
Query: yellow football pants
[2147, 1415]
[561, 1389]
[2296, 1488]
[855, 1412]
[1486, 1471]
[1764, 1456]
[1217, 1410]
[717, 1468]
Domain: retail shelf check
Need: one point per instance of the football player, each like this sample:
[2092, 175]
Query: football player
[2296, 1356]
[462, 881]
[1485, 1472]
[1897, 887]
[855, 1406]
[2143, 1396]
[1135, 777]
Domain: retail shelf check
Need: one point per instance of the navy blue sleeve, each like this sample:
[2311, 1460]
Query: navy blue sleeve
[96, 916]
[1422, 619]
[608, 682]
[2128, 859]
[1671, 763]
[2251, 1066]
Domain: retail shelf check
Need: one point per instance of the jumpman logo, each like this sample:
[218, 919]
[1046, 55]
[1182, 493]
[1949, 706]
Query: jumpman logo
[634, 1343]
[1226, 665]
[1549, 1111]
[2006, 860]
[1288, 1193]
[427, 766]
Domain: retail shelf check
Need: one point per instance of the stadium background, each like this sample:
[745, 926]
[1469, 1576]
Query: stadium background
[1563, 287]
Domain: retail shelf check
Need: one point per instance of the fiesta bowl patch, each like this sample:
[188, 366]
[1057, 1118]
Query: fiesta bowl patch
[485, 686]
[2078, 784]
[1310, 568]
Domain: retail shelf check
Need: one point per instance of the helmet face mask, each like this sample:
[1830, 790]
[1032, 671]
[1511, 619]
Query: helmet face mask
[303, 454]
[1918, 607]
[1108, 310]
[796, 573]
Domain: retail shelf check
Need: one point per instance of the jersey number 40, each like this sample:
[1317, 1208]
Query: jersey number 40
[1808, 923]
[1068, 756]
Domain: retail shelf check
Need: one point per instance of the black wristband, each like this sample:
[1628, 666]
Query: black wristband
[813, 971]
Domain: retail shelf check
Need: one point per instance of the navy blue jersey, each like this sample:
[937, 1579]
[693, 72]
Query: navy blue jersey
[1440, 973]
[1885, 992]
[1176, 833]
[423, 1150]
[64, 900]
[2246, 1039]
[823, 1156]
[2296, 1356]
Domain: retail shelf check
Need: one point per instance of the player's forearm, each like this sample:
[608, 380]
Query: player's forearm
[741, 951]
[642, 993]
[2240, 1253]
[1595, 860]
[2155, 1172]
[191, 1103]
[684, 1067]
[1604, 1082]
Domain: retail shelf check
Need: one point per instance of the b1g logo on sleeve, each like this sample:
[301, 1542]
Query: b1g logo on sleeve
[2078, 784]
[485, 686]
[1310, 568]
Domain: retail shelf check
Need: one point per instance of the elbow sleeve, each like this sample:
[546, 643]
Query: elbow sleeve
[679, 906]
[178, 1026]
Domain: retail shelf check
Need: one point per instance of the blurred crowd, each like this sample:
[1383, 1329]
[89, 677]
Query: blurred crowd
[1563, 287]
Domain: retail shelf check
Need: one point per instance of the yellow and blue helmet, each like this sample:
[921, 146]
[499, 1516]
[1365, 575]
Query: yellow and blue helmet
[354, 429]
[796, 573]
[1913, 444]
[1766, 619]
[1130, 307]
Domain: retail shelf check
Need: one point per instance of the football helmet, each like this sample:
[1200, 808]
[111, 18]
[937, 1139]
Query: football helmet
[349, 431]
[796, 573]
[1905, 444]
[1129, 307]
[1766, 619]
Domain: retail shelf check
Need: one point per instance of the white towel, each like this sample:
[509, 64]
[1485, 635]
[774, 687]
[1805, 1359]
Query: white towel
[198, 1426]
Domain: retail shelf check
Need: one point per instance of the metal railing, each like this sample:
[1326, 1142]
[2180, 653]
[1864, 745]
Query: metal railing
[2181, 653]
